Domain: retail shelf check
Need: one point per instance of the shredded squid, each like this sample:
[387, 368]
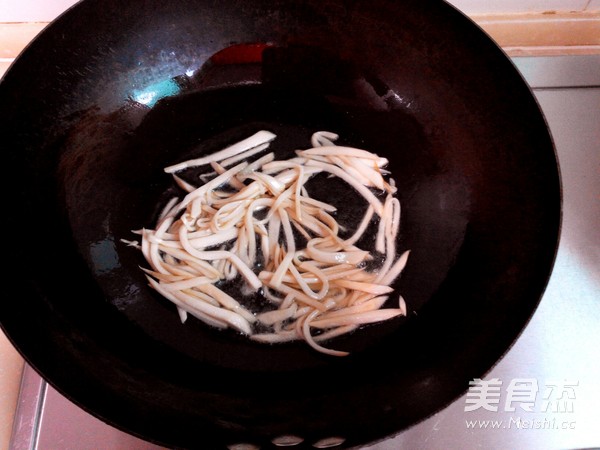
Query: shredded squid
[254, 220]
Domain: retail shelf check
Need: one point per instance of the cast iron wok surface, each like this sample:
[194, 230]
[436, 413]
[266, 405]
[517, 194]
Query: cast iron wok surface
[85, 135]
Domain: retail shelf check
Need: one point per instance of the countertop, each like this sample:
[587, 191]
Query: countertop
[11, 366]
[560, 343]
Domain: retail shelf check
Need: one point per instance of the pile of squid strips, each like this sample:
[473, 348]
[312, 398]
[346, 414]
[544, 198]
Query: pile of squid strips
[248, 213]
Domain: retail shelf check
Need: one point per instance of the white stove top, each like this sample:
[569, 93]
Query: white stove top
[547, 385]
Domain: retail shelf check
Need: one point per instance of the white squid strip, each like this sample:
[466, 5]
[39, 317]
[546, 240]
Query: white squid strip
[175, 269]
[291, 249]
[274, 226]
[362, 227]
[402, 305]
[183, 315]
[251, 142]
[322, 205]
[228, 216]
[271, 297]
[395, 220]
[358, 318]
[168, 208]
[130, 243]
[278, 315]
[273, 338]
[288, 278]
[373, 175]
[282, 201]
[186, 284]
[287, 301]
[335, 332]
[199, 313]
[150, 250]
[247, 230]
[361, 176]
[381, 229]
[275, 186]
[370, 305]
[299, 295]
[232, 318]
[321, 138]
[163, 276]
[199, 266]
[301, 313]
[289, 176]
[309, 222]
[251, 191]
[184, 184]
[330, 223]
[255, 165]
[213, 240]
[251, 278]
[390, 233]
[199, 242]
[233, 181]
[301, 230]
[309, 339]
[320, 275]
[371, 288]
[265, 248]
[206, 177]
[351, 257]
[212, 184]
[306, 288]
[227, 301]
[332, 275]
[298, 191]
[337, 150]
[244, 155]
[278, 167]
[396, 269]
[173, 233]
[201, 296]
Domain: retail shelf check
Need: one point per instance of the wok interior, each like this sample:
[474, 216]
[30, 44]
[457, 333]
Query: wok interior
[113, 183]
[476, 179]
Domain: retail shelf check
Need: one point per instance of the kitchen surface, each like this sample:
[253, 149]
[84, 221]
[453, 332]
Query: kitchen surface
[545, 392]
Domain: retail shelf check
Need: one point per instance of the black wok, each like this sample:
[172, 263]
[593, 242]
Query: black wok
[85, 135]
